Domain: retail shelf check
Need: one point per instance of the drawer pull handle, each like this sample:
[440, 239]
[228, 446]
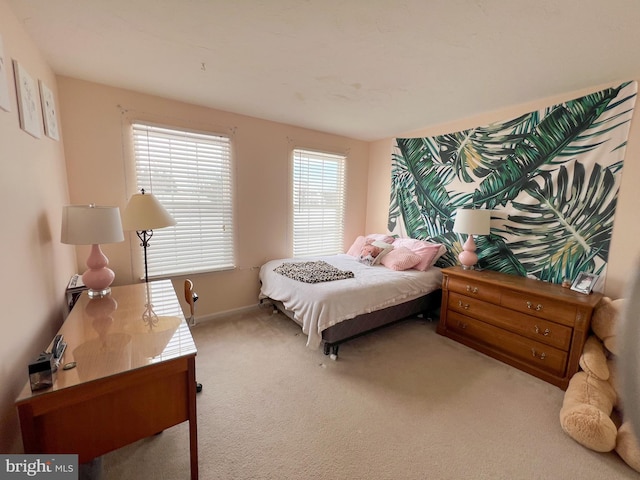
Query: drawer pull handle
[540, 356]
[537, 308]
[472, 289]
[545, 332]
[463, 305]
[462, 325]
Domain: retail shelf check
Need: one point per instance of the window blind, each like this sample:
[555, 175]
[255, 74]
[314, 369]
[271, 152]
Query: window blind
[190, 174]
[318, 203]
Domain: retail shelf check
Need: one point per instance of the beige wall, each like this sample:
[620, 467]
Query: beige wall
[34, 187]
[35, 265]
[95, 119]
[625, 251]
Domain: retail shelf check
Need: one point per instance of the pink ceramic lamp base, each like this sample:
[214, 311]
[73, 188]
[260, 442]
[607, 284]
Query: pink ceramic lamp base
[468, 257]
[98, 277]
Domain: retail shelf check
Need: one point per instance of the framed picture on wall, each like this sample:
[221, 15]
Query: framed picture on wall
[584, 282]
[5, 104]
[49, 112]
[28, 101]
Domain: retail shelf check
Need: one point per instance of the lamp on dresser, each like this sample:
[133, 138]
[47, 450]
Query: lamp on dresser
[471, 222]
[93, 225]
[144, 214]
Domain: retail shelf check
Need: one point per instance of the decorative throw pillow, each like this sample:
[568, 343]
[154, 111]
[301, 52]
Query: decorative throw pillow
[359, 242]
[354, 250]
[429, 252]
[373, 251]
[400, 258]
[381, 237]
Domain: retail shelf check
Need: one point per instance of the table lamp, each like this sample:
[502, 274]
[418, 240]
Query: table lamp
[472, 222]
[93, 225]
[144, 213]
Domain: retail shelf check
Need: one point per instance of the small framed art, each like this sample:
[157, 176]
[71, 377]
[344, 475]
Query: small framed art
[49, 112]
[28, 101]
[584, 282]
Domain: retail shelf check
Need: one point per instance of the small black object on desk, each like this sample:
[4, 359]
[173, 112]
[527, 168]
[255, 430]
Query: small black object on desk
[41, 372]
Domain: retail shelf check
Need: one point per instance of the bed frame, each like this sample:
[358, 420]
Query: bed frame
[337, 334]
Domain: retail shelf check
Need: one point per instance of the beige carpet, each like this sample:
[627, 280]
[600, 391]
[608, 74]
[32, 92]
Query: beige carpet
[400, 403]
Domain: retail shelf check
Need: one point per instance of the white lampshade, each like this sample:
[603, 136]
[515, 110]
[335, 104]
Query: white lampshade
[472, 222]
[90, 224]
[93, 225]
[144, 212]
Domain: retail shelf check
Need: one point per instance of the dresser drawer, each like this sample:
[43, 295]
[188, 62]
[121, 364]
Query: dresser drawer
[536, 326]
[471, 288]
[539, 355]
[541, 307]
[538, 329]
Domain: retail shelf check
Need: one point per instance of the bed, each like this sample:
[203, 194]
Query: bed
[332, 312]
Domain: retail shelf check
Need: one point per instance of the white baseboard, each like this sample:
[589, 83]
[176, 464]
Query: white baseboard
[226, 313]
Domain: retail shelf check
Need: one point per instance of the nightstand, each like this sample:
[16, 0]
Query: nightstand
[529, 324]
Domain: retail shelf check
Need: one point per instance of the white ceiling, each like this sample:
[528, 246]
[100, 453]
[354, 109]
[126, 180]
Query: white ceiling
[366, 69]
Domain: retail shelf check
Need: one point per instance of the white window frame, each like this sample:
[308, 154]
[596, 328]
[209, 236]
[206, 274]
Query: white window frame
[318, 202]
[191, 174]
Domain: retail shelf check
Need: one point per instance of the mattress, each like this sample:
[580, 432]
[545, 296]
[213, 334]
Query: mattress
[319, 306]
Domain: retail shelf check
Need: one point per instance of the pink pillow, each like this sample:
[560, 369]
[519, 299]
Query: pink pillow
[429, 252]
[354, 250]
[381, 237]
[400, 258]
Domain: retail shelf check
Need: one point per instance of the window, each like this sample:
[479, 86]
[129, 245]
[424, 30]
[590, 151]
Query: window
[318, 203]
[190, 174]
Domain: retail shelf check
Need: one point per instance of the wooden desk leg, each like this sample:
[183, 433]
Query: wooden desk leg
[29, 433]
[193, 420]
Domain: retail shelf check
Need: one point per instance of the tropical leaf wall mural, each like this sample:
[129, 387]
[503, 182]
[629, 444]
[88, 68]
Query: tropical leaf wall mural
[551, 178]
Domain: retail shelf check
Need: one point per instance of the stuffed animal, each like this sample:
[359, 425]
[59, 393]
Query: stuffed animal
[592, 412]
[605, 322]
[588, 402]
[627, 446]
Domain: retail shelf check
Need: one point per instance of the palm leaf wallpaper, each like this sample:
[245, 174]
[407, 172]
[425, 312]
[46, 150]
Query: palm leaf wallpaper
[551, 178]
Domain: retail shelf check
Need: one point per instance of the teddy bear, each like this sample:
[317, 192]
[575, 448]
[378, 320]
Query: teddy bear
[592, 411]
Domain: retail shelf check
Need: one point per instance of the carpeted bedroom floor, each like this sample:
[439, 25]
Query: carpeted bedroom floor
[399, 403]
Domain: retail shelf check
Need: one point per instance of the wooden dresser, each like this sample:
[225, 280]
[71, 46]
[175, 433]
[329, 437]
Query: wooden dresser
[535, 326]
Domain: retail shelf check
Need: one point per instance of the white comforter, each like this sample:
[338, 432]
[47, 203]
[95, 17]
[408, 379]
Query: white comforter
[318, 306]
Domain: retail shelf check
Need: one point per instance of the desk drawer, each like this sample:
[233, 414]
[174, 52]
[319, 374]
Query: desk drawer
[541, 307]
[529, 351]
[541, 330]
[473, 289]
